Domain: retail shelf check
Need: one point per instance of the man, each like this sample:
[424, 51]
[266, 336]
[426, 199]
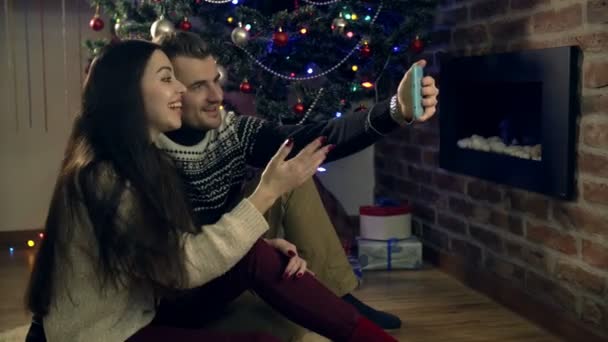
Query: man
[213, 148]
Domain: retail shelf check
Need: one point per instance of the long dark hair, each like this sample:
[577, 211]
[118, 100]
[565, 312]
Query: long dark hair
[110, 155]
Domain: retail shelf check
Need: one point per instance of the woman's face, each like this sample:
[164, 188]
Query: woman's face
[162, 95]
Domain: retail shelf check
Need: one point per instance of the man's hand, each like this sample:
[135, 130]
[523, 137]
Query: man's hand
[429, 96]
[296, 264]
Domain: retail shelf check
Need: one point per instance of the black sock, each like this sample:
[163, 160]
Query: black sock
[384, 319]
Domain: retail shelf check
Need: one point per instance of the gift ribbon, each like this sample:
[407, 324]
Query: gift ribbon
[389, 252]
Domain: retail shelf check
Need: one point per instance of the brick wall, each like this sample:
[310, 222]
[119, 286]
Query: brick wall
[556, 251]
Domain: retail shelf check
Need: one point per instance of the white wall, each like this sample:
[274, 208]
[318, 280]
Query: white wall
[351, 180]
[41, 68]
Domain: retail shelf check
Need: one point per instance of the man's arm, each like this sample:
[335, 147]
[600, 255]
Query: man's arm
[350, 134]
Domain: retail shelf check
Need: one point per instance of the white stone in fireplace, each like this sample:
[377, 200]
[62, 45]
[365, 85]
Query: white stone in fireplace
[494, 144]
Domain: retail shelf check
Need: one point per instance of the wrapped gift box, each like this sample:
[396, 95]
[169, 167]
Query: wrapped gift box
[385, 222]
[390, 254]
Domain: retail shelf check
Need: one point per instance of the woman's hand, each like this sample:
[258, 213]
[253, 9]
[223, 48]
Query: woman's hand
[281, 176]
[296, 264]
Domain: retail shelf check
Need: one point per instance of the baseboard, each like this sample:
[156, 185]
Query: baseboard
[18, 238]
[517, 300]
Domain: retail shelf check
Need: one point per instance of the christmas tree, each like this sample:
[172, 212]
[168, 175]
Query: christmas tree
[304, 60]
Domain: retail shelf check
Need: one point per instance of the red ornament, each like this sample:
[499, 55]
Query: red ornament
[96, 23]
[198, 2]
[245, 87]
[417, 45]
[280, 38]
[366, 51]
[299, 108]
[360, 108]
[185, 25]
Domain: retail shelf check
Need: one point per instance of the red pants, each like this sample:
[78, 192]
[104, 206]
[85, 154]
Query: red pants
[304, 301]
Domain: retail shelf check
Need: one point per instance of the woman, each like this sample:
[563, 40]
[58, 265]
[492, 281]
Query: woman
[120, 249]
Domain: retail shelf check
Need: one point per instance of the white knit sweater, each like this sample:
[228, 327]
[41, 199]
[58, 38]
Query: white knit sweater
[81, 311]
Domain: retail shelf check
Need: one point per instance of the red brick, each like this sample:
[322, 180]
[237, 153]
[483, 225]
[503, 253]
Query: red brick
[451, 223]
[506, 30]
[537, 259]
[595, 254]
[543, 287]
[487, 238]
[484, 191]
[593, 164]
[594, 104]
[552, 238]
[385, 180]
[428, 194]
[425, 138]
[448, 182]
[473, 35]
[536, 205]
[454, 16]
[434, 237]
[488, 8]
[430, 158]
[379, 161]
[395, 168]
[506, 270]
[494, 48]
[481, 214]
[469, 251]
[596, 73]
[558, 20]
[579, 277]
[528, 4]
[406, 187]
[506, 222]
[597, 12]
[424, 211]
[420, 175]
[461, 207]
[400, 136]
[593, 41]
[387, 147]
[595, 134]
[594, 192]
[411, 154]
[595, 313]
[589, 42]
[581, 219]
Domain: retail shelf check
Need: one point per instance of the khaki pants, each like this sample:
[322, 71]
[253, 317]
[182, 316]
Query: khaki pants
[300, 218]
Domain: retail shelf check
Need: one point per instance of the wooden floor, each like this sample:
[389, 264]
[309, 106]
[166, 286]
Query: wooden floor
[434, 306]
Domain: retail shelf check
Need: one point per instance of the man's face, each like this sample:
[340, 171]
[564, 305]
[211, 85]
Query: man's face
[204, 94]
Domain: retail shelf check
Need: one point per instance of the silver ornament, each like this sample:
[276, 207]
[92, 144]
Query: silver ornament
[223, 74]
[161, 26]
[338, 25]
[239, 36]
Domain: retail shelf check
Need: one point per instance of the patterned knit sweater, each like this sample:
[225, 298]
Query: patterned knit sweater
[213, 169]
